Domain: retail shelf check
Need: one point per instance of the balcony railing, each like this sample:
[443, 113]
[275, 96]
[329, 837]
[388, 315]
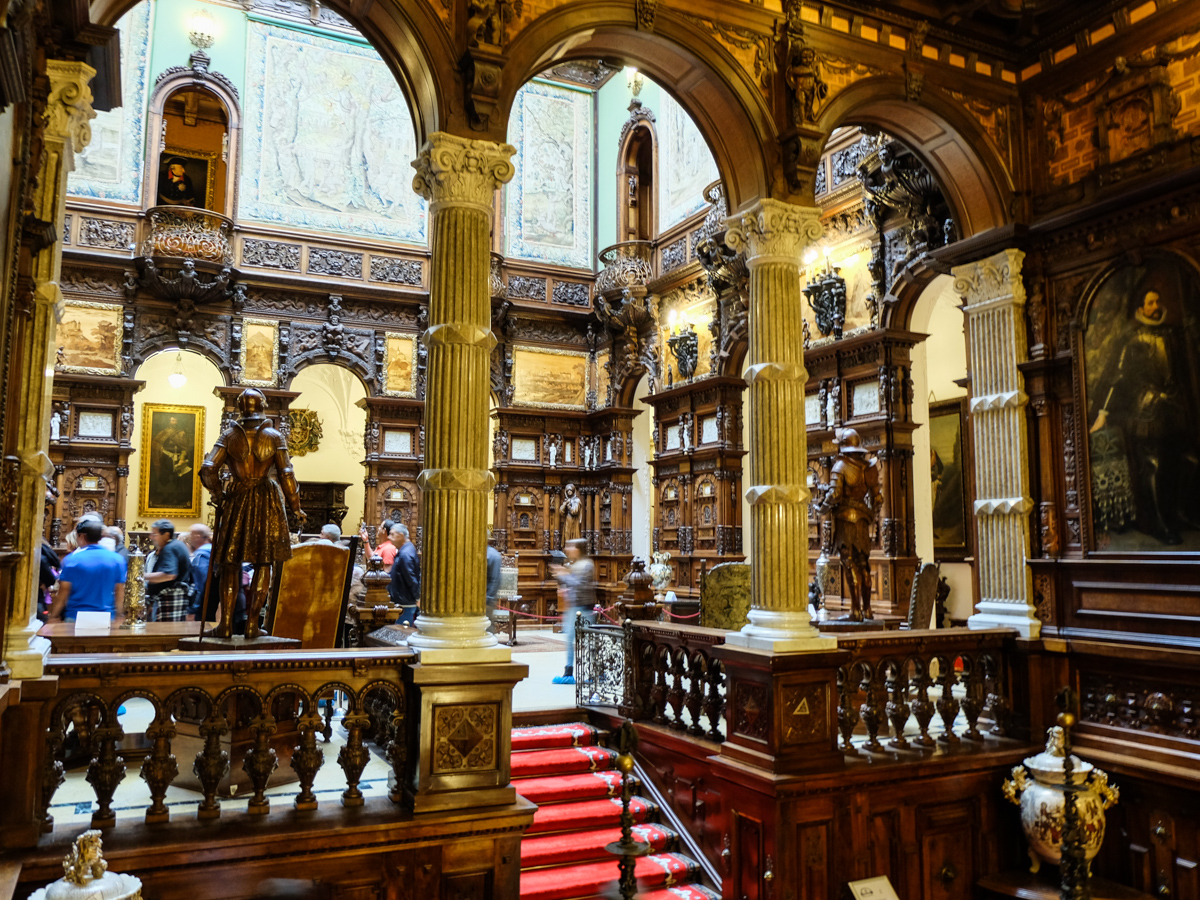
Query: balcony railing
[182, 232]
[626, 265]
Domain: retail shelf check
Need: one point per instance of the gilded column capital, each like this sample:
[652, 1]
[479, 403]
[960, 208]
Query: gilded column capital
[455, 171]
[991, 281]
[69, 108]
[773, 231]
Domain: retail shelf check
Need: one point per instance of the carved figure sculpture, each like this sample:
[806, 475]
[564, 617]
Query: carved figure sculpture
[252, 524]
[807, 86]
[852, 501]
[571, 509]
[85, 860]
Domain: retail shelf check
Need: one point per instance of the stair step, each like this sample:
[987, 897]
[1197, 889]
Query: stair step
[657, 870]
[559, 788]
[588, 814]
[585, 846]
[561, 762]
[545, 737]
[681, 892]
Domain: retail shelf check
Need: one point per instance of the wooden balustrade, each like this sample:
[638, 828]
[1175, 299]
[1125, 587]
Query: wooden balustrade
[214, 695]
[887, 683]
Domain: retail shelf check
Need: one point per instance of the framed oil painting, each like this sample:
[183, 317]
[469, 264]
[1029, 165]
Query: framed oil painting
[1142, 384]
[260, 352]
[186, 178]
[172, 450]
[948, 470]
[550, 379]
[398, 365]
[89, 338]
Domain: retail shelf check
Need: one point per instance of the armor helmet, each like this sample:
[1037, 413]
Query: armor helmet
[849, 441]
[251, 403]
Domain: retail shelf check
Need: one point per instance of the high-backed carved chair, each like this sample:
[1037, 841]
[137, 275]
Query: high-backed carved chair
[725, 596]
[311, 592]
[924, 596]
[503, 617]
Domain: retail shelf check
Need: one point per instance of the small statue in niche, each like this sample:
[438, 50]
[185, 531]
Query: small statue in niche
[552, 450]
[56, 426]
[808, 88]
[852, 501]
[334, 335]
[571, 509]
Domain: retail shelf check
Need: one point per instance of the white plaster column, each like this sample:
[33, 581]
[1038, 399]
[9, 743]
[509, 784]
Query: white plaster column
[773, 235]
[68, 131]
[994, 295]
[459, 177]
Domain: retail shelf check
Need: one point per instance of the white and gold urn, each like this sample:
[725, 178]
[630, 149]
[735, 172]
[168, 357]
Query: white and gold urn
[1042, 804]
[86, 876]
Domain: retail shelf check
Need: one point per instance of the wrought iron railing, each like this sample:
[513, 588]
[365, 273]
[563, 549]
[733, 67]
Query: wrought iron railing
[182, 232]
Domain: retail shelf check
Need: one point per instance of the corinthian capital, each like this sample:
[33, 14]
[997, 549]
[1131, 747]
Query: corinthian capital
[69, 109]
[991, 281]
[455, 171]
[774, 231]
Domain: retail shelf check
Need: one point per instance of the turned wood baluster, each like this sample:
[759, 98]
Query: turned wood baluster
[353, 756]
[871, 714]
[922, 709]
[847, 713]
[972, 703]
[106, 771]
[327, 731]
[997, 704]
[260, 762]
[714, 703]
[658, 696]
[211, 765]
[897, 706]
[397, 755]
[53, 775]
[159, 768]
[307, 759]
[947, 706]
[695, 693]
[677, 660]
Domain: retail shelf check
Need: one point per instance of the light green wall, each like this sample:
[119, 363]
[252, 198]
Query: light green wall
[170, 46]
[612, 111]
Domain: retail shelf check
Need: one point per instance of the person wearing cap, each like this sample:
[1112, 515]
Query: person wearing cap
[92, 578]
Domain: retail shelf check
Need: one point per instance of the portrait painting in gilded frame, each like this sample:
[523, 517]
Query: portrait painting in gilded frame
[186, 178]
[550, 379]
[172, 449]
[90, 338]
[399, 358]
[948, 475]
[260, 352]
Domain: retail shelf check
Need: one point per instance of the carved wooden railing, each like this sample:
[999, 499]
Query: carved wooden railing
[626, 265]
[660, 673]
[187, 233]
[215, 695]
[898, 678]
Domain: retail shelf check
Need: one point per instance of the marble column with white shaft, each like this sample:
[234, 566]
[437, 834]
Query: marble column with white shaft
[773, 236]
[994, 298]
[459, 178]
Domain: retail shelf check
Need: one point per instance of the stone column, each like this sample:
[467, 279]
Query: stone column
[995, 311]
[68, 114]
[773, 235]
[459, 178]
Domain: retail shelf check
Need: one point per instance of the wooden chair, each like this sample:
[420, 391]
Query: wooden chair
[311, 592]
[504, 619]
[924, 596]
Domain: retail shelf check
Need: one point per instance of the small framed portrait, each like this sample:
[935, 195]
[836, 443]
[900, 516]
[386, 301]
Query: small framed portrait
[949, 469]
[172, 450]
[260, 352]
[89, 338]
[186, 178]
[398, 369]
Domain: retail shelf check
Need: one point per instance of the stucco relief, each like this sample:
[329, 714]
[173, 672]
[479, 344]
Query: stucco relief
[329, 138]
[549, 200]
[685, 162]
[110, 167]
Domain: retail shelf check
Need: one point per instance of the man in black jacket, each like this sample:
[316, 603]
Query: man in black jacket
[405, 587]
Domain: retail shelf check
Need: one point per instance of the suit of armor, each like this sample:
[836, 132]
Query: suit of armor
[252, 524]
[852, 500]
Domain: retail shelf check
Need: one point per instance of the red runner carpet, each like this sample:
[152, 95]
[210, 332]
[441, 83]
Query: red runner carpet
[563, 769]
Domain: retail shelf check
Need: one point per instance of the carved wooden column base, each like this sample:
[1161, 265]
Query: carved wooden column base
[462, 716]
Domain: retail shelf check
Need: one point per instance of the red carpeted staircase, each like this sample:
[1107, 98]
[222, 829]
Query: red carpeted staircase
[573, 781]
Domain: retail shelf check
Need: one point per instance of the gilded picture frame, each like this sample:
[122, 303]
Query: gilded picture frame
[197, 164]
[259, 358]
[172, 449]
[399, 365]
[950, 473]
[546, 378]
[90, 337]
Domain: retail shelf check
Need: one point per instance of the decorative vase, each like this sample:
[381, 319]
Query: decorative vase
[1041, 801]
[660, 572]
[639, 581]
[86, 876]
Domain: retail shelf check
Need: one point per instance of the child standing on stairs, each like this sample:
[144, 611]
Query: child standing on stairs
[576, 593]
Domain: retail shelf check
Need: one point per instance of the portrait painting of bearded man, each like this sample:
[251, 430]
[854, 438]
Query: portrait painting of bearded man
[1141, 331]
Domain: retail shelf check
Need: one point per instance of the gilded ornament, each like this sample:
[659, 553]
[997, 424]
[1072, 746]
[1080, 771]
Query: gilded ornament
[305, 434]
[86, 875]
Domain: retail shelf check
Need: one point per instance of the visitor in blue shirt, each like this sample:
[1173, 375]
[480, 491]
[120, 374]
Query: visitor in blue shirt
[92, 578]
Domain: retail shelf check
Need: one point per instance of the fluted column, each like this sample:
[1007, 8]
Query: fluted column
[773, 235]
[68, 131]
[459, 178]
[995, 312]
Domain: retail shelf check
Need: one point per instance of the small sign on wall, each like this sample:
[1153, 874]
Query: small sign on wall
[879, 888]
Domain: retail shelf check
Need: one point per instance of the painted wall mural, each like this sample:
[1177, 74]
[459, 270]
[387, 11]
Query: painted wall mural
[110, 167]
[329, 138]
[685, 165]
[549, 202]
